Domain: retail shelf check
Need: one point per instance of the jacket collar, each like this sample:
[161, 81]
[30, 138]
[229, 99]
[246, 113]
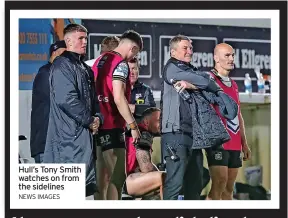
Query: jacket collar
[174, 60]
[73, 55]
[178, 62]
[137, 84]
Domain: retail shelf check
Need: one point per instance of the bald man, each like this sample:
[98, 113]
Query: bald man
[225, 160]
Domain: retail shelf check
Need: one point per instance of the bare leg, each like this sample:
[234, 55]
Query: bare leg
[139, 184]
[115, 162]
[102, 176]
[228, 191]
[219, 176]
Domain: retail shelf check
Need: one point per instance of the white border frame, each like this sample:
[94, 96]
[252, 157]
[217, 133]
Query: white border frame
[117, 14]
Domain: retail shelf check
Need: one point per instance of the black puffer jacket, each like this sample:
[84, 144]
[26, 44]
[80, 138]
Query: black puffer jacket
[72, 105]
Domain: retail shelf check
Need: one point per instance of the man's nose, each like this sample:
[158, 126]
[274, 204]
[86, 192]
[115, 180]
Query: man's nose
[84, 41]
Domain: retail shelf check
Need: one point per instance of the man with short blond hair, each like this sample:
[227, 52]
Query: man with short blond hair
[109, 43]
[74, 117]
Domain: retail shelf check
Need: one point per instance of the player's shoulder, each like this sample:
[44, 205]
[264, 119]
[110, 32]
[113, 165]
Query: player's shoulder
[145, 141]
[145, 135]
[45, 67]
[43, 72]
[122, 69]
[123, 64]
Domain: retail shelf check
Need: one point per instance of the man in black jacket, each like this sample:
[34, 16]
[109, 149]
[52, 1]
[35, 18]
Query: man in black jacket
[73, 108]
[141, 94]
[41, 104]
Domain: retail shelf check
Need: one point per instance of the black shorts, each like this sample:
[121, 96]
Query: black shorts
[221, 157]
[109, 139]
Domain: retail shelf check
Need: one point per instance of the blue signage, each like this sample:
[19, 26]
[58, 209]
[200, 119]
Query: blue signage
[34, 43]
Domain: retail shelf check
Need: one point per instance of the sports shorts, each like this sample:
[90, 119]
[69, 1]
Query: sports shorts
[220, 157]
[110, 138]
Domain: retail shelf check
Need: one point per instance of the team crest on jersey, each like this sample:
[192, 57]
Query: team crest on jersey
[138, 95]
[233, 125]
[102, 61]
[218, 156]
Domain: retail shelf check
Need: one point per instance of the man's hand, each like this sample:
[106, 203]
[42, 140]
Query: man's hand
[135, 135]
[132, 108]
[95, 125]
[181, 85]
[247, 152]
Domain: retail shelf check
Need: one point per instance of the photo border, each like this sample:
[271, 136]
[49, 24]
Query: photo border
[29, 213]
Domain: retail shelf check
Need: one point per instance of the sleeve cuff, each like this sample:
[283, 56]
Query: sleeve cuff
[91, 119]
[101, 118]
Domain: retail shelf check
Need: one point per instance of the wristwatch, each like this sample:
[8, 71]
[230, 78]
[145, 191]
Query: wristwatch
[133, 125]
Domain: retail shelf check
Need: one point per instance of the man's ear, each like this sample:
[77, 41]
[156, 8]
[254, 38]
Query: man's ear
[68, 41]
[134, 48]
[146, 121]
[216, 58]
[172, 52]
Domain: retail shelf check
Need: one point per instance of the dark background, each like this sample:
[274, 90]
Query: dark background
[162, 32]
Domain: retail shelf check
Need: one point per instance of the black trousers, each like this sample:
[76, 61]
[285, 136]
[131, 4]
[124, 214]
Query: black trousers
[185, 175]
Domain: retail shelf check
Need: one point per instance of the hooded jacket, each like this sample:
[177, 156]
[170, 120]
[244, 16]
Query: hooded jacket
[72, 105]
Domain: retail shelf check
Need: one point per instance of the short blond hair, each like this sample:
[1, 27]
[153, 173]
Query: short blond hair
[111, 42]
